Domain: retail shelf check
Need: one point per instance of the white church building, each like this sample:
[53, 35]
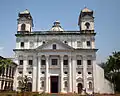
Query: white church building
[59, 61]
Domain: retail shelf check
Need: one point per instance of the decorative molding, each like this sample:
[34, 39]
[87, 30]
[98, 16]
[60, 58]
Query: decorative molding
[65, 78]
[79, 79]
[42, 78]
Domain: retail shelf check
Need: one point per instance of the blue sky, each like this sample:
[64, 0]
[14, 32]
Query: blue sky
[45, 12]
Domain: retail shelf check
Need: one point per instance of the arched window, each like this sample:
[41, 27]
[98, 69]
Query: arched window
[23, 27]
[87, 25]
[90, 85]
[54, 46]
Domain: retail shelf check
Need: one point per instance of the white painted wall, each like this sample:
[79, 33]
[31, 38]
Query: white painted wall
[102, 84]
[108, 87]
[71, 41]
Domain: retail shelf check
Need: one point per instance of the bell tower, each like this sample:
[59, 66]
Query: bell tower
[86, 21]
[24, 22]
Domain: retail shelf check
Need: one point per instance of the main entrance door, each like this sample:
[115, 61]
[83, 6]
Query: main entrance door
[54, 84]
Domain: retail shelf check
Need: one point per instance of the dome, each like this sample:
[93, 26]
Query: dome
[25, 12]
[86, 10]
[56, 26]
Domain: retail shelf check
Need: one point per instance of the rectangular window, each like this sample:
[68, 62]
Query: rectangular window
[21, 62]
[30, 62]
[79, 44]
[89, 62]
[42, 85]
[88, 43]
[65, 62]
[43, 62]
[54, 46]
[78, 62]
[54, 61]
[22, 44]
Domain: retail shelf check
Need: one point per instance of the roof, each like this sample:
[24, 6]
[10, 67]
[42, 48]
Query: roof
[25, 12]
[8, 58]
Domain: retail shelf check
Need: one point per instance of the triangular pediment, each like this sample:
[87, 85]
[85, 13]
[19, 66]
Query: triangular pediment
[59, 46]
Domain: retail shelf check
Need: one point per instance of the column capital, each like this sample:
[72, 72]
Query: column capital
[73, 57]
[69, 56]
[39, 56]
[47, 56]
[61, 55]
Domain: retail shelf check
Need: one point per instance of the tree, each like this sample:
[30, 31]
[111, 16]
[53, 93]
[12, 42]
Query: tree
[23, 83]
[112, 69]
[4, 63]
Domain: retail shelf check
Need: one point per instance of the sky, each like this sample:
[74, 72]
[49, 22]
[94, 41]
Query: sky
[45, 12]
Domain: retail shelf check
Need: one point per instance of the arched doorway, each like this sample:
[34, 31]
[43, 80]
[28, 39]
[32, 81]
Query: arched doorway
[80, 86]
[29, 87]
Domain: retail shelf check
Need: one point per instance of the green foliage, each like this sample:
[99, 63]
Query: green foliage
[23, 84]
[112, 69]
[5, 62]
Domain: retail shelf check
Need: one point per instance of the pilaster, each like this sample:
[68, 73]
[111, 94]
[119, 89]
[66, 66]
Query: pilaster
[83, 42]
[70, 75]
[95, 86]
[85, 72]
[61, 70]
[47, 65]
[25, 66]
[93, 42]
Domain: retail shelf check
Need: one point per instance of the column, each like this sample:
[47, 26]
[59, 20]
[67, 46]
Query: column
[34, 74]
[0, 84]
[38, 73]
[46, 81]
[15, 84]
[70, 79]
[61, 70]
[74, 73]
[85, 72]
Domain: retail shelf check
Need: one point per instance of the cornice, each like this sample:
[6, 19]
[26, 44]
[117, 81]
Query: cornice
[57, 50]
[54, 33]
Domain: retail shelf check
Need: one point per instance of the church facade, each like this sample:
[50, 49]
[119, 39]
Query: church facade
[59, 61]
